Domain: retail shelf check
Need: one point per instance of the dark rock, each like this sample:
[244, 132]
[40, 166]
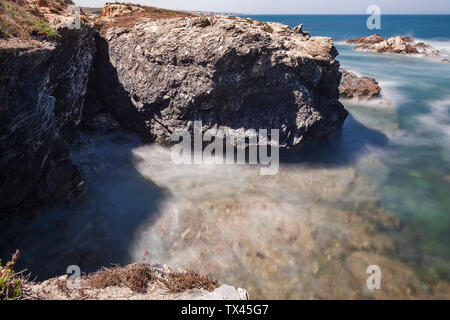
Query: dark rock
[163, 75]
[358, 87]
[41, 92]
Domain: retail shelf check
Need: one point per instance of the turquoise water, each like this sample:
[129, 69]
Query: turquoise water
[393, 153]
[341, 27]
[417, 188]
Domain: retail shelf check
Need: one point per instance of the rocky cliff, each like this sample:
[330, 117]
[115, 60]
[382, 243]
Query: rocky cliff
[42, 90]
[154, 77]
[231, 73]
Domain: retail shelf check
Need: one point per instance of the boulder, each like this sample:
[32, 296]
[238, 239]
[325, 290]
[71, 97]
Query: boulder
[230, 73]
[358, 87]
[394, 45]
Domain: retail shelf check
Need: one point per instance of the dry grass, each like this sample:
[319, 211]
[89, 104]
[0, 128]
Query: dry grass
[24, 20]
[178, 282]
[139, 276]
[130, 19]
[11, 282]
[265, 27]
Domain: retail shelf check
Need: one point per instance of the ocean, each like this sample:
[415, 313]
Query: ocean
[377, 193]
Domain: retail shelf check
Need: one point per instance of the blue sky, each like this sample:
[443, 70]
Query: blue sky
[295, 6]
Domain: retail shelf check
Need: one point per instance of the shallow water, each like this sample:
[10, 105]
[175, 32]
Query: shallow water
[376, 193]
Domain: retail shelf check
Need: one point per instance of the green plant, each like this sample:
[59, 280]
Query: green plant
[10, 282]
[4, 34]
[265, 26]
[42, 27]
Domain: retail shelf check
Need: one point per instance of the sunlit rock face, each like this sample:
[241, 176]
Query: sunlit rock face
[162, 75]
[358, 87]
[42, 92]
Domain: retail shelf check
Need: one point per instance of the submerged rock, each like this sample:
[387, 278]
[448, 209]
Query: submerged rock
[358, 87]
[160, 76]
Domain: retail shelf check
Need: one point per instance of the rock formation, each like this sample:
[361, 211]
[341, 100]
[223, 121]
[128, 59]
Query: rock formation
[120, 283]
[395, 45]
[231, 73]
[42, 91]
[153, 78]
[358, 87]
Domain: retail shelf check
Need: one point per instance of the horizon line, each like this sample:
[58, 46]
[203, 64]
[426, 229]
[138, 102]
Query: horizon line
[341, 14]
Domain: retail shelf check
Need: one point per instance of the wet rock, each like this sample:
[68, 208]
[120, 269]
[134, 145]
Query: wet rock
[161, 75]
[395, 45]
[358, 87]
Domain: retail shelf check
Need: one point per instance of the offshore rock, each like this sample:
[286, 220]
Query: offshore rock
[358, 87]
[395, 45]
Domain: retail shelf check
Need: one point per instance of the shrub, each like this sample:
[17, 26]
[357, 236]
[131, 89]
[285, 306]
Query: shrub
[137, 277]
[42, 27]
[10, 282]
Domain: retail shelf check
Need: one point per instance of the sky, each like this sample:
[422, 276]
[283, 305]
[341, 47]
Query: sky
[294, 6]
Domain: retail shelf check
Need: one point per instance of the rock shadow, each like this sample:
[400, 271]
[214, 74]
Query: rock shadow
[100, 230]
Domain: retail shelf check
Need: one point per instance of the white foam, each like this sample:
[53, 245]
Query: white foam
[438, 119]
[443, 45]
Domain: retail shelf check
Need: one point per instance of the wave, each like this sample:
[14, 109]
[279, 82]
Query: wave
[442, 44]
[438, 119]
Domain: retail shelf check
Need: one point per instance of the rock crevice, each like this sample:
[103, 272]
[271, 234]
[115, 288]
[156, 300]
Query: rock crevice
[42, 93]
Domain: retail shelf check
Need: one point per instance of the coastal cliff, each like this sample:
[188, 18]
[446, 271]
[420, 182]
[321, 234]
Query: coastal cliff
[230, 73]
[154, 77]
[42, 90]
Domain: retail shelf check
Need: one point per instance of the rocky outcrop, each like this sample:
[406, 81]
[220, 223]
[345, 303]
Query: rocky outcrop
[138, 281]
[42, 91]
[358, 87]
[395, 45]
[154, 78]
[231, 73]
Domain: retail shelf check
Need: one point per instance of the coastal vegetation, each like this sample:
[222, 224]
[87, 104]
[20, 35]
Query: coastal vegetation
[11, 282]
[21, 20]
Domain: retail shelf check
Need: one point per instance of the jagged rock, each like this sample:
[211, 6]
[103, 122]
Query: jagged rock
[358, 87]
[42, 92]
[162, 75]
[395, 45]
[299, 29]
